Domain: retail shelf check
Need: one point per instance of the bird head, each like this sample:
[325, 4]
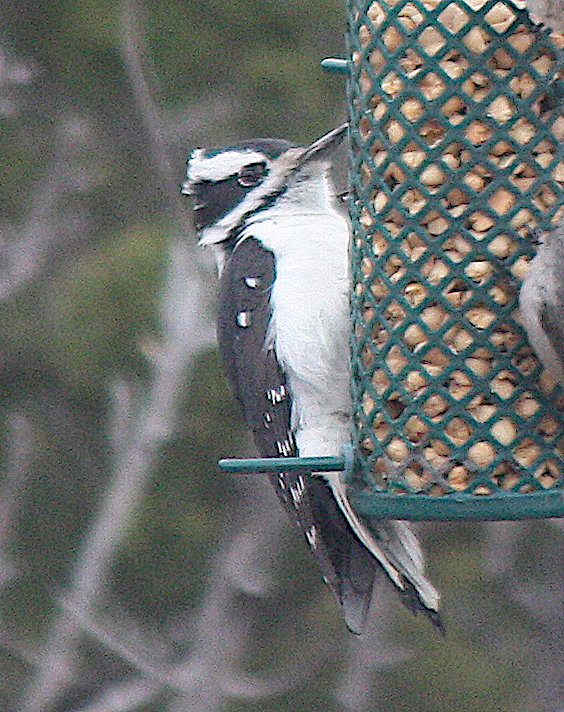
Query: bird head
[231, 184]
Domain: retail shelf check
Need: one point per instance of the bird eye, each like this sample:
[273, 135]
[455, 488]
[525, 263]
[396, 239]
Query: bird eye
[251, 175]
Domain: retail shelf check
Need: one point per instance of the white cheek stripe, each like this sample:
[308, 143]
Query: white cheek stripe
[221, 166]
[280, 168]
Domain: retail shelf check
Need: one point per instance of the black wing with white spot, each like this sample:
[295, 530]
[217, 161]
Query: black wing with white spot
[261, 387]
[244, 314]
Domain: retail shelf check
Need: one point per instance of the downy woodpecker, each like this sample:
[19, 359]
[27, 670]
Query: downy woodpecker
[541, 301]
[268, 211]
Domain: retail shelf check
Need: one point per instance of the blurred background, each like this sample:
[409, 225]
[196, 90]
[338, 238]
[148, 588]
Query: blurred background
[133, 575]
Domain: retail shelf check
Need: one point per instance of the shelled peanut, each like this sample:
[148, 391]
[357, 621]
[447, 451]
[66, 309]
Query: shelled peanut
[450, 276]
[496, 111]
[429, 380]
[460, 324]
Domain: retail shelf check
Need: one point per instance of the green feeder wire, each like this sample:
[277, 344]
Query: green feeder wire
[289, 464]
[332, 64]
[454, 160]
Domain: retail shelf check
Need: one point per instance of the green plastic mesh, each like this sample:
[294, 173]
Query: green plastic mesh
[456, 130]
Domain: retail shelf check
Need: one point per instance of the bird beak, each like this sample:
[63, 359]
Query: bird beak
[323, 144]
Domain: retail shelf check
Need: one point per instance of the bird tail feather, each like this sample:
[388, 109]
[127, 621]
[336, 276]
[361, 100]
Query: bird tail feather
[397, 549]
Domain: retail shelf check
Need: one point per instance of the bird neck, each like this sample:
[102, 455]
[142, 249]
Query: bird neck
[309, 191]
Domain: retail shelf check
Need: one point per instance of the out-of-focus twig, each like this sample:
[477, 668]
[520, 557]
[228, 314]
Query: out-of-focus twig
[143, 79]
[52, 230]
[133, 466]
[540, 600]
[149, 423]
[14, 75]
[19, 439]
[124, 696]
[223, 625]
[210, 675]
[149, 667]
[368, 657]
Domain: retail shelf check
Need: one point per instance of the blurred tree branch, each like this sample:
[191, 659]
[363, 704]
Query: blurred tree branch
[140, 71]
[14, 74]
[209, 675]
[140, 428]
[369, 657]
[541, 600]
[20, 442]
[53, 229]
[123, 696]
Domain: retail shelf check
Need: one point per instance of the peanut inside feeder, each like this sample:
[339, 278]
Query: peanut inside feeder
[456, 158]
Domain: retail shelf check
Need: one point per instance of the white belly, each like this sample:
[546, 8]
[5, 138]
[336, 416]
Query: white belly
[310, 325]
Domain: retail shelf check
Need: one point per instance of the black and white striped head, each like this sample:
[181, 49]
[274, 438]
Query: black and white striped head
[231, 184]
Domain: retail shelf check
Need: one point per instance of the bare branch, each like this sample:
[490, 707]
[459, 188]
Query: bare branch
[219, 633]
[14, 74]
[304, 665]
[369, 656]
[20, 442]
[138, 66]
[209, 676]
[151, 422]
[51, 231]
[154, 670]
[122, 696]
[143, 79]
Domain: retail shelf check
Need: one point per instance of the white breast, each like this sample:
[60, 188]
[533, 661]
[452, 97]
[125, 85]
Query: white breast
[310, 323]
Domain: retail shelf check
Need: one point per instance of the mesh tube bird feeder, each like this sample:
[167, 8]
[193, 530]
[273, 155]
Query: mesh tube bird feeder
[456, 156]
